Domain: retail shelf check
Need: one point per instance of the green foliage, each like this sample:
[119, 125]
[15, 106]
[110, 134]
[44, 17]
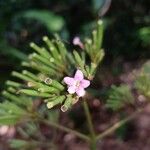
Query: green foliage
[55, 63]
[93, 46]
[119, 97]
[144, 35]
[50, 20]
[18, 143]
[15, 108]
[142, 82]
[11, 112]
[13, 52]
[49, 64]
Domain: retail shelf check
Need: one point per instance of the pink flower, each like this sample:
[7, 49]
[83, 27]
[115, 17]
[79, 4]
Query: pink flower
[77, 41]
[77, 84]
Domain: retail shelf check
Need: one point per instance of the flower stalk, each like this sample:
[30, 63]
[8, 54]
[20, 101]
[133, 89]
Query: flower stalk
[90, 126]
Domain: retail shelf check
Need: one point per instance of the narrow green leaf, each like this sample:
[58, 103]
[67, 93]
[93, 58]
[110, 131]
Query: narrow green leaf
[8, 120]
[18, 144]
[56, 101]
[12, 83]
[34, 93]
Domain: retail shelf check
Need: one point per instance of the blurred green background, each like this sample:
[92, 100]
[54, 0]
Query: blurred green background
[127, 27]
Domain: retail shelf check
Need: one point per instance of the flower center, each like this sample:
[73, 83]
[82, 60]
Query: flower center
[77, 83]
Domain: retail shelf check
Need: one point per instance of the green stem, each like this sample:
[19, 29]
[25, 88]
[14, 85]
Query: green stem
[68, 130]
[117, 125]
[90, 126]
[93, 138]
[93, 144]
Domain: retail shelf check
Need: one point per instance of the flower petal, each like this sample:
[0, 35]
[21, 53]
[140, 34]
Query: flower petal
[71, 89]
[69, 81]
[76, 40]
[85, 83]
[79, 75]
[80, 92]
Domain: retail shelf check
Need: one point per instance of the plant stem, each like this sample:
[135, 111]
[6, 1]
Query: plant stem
[90, 125]
[117, 125]
[93, 138]
[68, 130]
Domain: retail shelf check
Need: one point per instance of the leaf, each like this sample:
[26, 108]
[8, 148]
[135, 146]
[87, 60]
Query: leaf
[12, 108]
[8, 120]
[51, 21]
[16, 143]
[93, 45]
[144, 35]
[8, 50]
[142, 82]
[119, 97]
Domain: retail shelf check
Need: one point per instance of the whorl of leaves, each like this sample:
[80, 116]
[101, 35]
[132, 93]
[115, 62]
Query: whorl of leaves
[44, 71]
[15, 107]
[119, 97]
[142, 83]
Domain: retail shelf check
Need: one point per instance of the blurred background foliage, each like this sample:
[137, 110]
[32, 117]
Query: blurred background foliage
[127, 31]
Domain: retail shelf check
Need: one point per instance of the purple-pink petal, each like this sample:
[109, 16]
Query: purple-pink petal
[77, 84]
[71, 89]
[80, 92]
[76, 40]
[69, 81]
[85, 83]
[79, 75]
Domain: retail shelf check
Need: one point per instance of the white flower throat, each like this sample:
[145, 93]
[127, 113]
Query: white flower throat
[77, 83]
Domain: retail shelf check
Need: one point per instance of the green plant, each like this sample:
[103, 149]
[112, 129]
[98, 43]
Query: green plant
[47, 71]
[142, 82]
[119, 97]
